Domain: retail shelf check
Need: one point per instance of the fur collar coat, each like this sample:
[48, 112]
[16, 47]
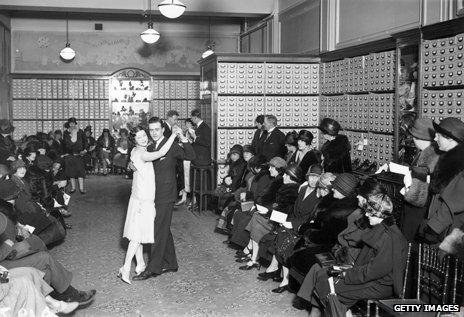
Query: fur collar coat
[336, 155]
[447, 186]
[418, 193]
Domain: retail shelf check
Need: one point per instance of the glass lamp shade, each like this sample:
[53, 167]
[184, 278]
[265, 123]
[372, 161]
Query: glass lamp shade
[207, 53]
[150, 35]
[171, 8]
[67, 53]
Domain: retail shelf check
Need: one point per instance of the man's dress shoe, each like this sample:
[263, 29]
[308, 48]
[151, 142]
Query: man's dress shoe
[169, 271]
[144, 275]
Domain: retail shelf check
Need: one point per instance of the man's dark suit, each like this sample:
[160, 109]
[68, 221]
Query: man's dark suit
[167, 130]
[274, 144]
[163, 254]
[258, 140]
[202, 145]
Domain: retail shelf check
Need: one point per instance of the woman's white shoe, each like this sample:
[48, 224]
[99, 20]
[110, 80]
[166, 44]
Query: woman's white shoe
[124, 275]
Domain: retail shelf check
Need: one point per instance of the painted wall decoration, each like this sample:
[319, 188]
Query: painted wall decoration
[103, 53]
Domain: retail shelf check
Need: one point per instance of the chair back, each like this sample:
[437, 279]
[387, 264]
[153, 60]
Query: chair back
[432, 275]
[406, 271]
[457, 293]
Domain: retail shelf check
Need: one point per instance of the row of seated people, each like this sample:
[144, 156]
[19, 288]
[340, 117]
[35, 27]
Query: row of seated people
[324, 215]
[32, 205]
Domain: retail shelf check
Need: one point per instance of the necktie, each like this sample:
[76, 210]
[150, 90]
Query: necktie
[156, 144]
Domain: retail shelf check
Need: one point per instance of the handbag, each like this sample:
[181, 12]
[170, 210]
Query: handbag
[285, 243]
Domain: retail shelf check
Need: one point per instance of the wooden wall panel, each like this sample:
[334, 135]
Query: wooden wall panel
[300, 28]
[348, 23]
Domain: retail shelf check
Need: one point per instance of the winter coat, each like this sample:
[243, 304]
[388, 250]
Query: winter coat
[108, 146]
[332, 218]
[236, 171]
[446, 209]
[28, 210]
[7, 148]
[259, 186]
[309, 159]
[349, 240]
[303, 208]
[382, 259]
[74, 147]
[286, 197]
[270, 197]
[337, 155]
[418, 192]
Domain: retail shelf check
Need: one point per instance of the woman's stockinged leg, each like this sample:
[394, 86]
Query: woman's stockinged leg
[285, 272]
[255, 249]
[274, 266]
[139, 256]
[73, 184]
[131, 251]
[81, 184]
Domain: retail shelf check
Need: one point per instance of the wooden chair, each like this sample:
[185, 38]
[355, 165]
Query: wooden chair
[457, 292]
[431, 285]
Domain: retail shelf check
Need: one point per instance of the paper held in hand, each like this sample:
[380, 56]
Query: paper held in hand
[261, 209]
[278, 216]
[398, 169]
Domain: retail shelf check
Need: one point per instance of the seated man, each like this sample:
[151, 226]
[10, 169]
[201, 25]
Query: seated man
[13, 256]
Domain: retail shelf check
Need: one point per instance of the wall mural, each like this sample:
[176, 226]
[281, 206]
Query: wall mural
[106, 52]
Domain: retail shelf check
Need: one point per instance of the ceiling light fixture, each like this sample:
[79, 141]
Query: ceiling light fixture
[150, 35]
[210, 44]
[67, 53]
[172, 8]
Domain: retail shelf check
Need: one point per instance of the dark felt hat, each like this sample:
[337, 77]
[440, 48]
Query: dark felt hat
[423, 129]
[315, 169]
[329, 126]
[6, 127]
[278, 162]
[294, 171]
[237, 148]
[8, 189]
[248, 148]
[16, 164]
[346, 184]
[451, 127]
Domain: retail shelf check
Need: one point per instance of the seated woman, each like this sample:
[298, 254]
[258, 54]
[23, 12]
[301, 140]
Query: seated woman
[327, 218]
[379, 268]
[232, 181]
[123, 146]
[27, 294]
[261, 180]
[345, 251]
[105, 149]
[46, 225]
[260, 225]
[304, 156]
[291, 143]
[225, 220]
[89, 148]
[319, 186]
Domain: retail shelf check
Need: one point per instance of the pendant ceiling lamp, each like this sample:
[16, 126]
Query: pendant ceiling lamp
[210, 44]
[171, 8]
[67, 53]
[150, 35]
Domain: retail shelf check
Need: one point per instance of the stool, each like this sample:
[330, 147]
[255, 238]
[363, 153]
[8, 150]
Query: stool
[203, 189]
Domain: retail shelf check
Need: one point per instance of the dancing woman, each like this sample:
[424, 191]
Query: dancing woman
[139, 226]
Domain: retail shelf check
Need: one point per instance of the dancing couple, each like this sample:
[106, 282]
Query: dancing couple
[154, 191]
